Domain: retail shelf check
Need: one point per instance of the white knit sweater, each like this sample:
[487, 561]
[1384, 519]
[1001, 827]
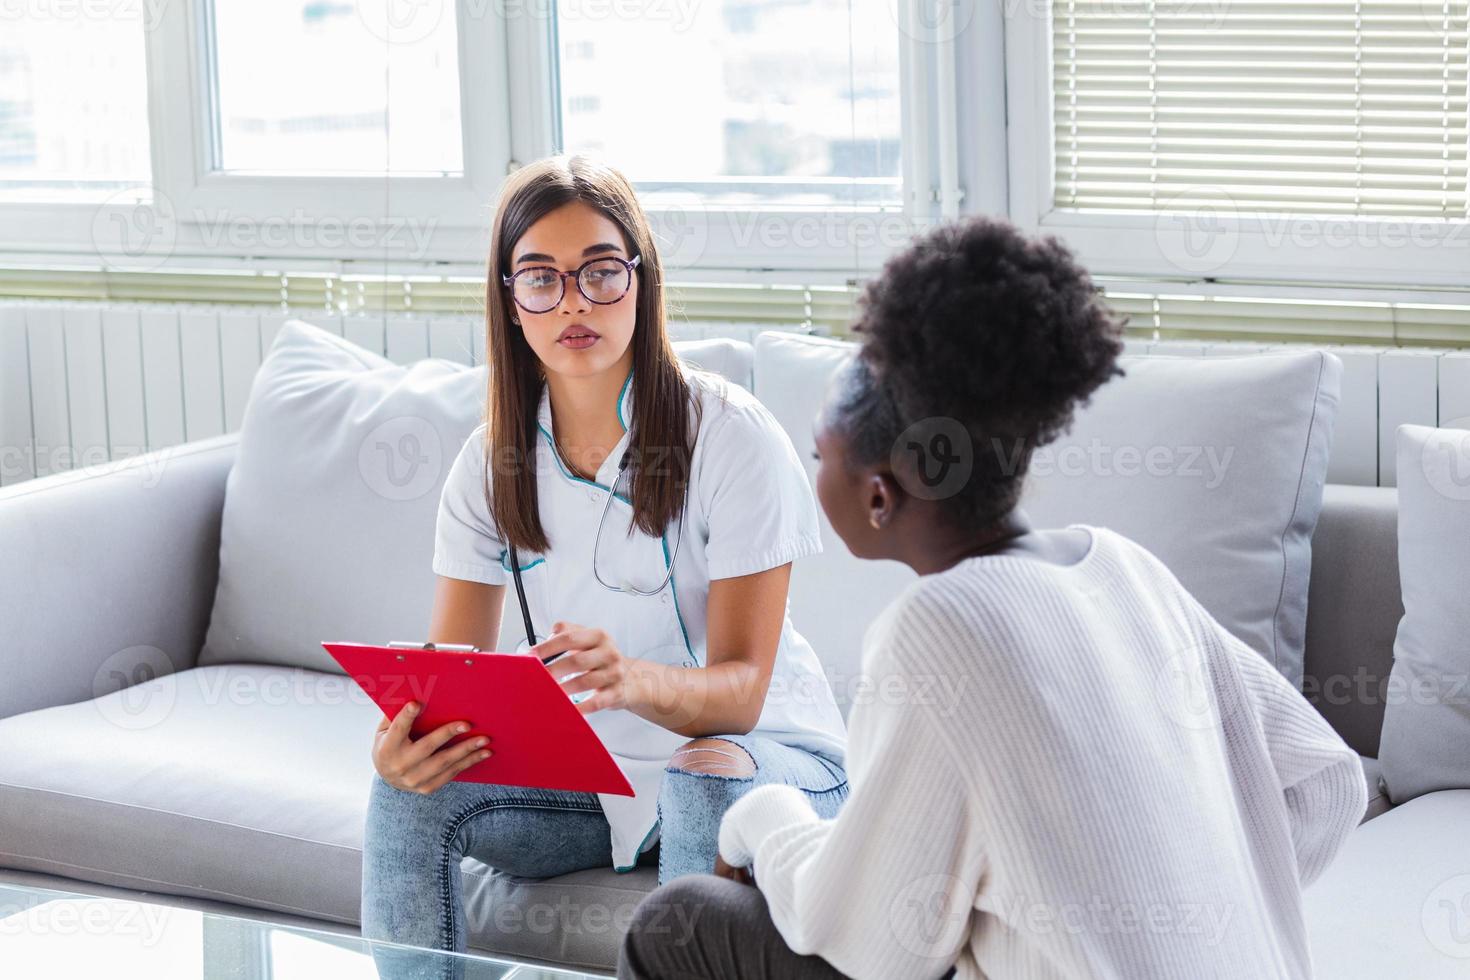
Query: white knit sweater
[1060, 772]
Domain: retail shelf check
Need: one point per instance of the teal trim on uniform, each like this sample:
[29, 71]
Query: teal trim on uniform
[664, 540]
[627, 381]
[505, 553]
[641, 846]
[551, 444]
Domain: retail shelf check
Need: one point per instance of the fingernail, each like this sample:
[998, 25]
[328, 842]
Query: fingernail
[462, 728]
[412, 707]
[481, 741]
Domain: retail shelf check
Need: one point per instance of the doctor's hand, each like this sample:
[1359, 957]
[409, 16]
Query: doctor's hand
[591, 654]
[423, 765]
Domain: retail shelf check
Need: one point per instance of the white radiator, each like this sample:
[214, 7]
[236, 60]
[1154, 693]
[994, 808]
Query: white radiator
[84, 383]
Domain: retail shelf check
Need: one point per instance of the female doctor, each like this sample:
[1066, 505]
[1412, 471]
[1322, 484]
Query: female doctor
[651, 515]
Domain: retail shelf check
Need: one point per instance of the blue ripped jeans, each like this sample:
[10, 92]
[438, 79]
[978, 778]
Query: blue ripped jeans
[413, 843]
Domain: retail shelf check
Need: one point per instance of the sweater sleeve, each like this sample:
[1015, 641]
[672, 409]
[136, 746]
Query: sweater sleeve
[887, 888]
[1321, 777]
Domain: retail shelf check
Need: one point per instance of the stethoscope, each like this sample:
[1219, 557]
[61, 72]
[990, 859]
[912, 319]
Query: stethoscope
[515, 564]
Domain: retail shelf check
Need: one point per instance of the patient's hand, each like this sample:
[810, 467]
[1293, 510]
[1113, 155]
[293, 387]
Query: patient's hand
[422, 765]
[742, 875]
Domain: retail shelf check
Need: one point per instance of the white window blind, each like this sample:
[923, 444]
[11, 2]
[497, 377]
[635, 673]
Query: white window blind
[1261, 106]
[1344, 320]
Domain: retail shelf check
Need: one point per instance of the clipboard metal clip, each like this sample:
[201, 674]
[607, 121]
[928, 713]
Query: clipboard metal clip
[446, 647]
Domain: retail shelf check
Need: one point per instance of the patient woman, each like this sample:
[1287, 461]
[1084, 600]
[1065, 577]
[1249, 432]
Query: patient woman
[1107, 783]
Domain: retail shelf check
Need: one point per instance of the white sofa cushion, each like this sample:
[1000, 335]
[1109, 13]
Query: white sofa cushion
[1238, 534]
[248, 784]
[328, 524]
[1395, 901]
[1426, 724]
[834, 596]
[1216, 465]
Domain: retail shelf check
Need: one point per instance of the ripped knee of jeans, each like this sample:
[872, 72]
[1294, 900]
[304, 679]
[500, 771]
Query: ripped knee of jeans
[713, 757]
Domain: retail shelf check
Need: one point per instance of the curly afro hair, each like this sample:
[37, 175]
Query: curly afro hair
[1004, 333]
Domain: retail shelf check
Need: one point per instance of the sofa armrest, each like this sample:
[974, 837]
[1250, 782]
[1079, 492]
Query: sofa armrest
[107, 573]
[1353, 611]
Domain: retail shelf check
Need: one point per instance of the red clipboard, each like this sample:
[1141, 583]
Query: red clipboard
[537, 735]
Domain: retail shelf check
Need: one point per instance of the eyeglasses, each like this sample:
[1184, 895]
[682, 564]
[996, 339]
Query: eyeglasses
[539, 288]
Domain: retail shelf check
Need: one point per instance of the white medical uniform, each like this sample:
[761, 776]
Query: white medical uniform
[750, 508]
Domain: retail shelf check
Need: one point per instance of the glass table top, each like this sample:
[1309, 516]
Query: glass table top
[50, 934]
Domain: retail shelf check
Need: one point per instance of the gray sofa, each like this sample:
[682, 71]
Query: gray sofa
[122, 793]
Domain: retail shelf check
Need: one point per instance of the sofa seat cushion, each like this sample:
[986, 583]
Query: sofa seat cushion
[1396, 900]
[248, 783]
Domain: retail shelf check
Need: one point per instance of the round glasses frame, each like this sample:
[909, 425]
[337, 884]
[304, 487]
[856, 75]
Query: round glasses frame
[576, 274]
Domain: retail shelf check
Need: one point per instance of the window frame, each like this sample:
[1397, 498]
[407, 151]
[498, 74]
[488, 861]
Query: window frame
[182, 48]
[509, 115]
[1320, 249]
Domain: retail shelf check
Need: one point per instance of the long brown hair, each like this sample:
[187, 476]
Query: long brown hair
[662, 436]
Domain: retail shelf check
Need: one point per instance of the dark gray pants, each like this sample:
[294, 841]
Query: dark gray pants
[700, 927]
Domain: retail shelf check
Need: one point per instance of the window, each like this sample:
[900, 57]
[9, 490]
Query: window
[328, 131]
[335, 87]
[1321, 144]
[757, 102]
[1323, 108]
[73, 105]
[371, 136]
